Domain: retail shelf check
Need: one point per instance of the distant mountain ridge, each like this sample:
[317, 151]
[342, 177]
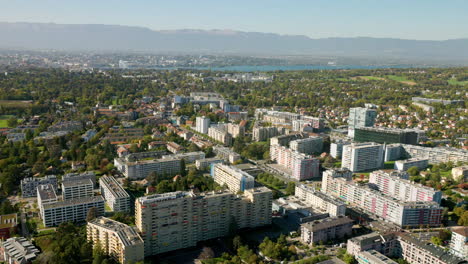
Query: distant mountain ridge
[130, 38]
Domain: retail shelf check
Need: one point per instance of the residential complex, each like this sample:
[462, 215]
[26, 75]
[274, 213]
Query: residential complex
[373, 257]
[320, 200]
[300, 166]
[226, 153]
[284, 140]
[219, 133]
[310, 145]
[326, 229]
[235, 179]
[116, 239]
[330, 175]
[18, 250]
[264, 133]
[80, 176]
[402, 213]
[29, 185]
[203, 164]
[434, 155]
[202, 124]
[114, 194]
[184, 218]
[404, 165]
[459, 241]
[362, 156]
[336, 148]
[460, 173]
[386, 135]
[392, 184]
[360, 117]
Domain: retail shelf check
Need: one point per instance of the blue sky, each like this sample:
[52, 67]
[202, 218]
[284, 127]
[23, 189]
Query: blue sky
[409, 19]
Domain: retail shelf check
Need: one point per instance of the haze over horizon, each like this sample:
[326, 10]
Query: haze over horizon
[413, 20]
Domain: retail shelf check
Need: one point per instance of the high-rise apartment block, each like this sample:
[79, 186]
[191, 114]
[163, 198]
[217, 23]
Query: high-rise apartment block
[77, 188]
[362, 156]
[326, 229]
[226, 153]
[177, 220]
[336, 148]
[434, 155]
[360, 117]
[459, 242]
[302, 166]
[310, 145]
[114, 194]
[320, 200]
[29, 185]
[116, 239]
[391, 184]
[235, 179]
[265, 133]
[202, 124]
[219, 133]
[330, 175]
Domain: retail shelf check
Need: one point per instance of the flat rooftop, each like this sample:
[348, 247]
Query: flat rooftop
[76, 201]
[77, 182]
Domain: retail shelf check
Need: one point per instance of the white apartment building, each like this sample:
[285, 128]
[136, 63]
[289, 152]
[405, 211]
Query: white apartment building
[178, 220]
[77, 188]
[460, 173]
[309, 146]
[302, 166]
[459, 242]
[320, 200]
[434, 155]
[329, 175]
[29, 185]
[326, 229]
[235, 130]
[360, 117]
[362, 156]
[284, 140]
[383, 206]
[220, 134]
[404, 165]
[265, 133]
[80, 176]
[203, 164]
[389, 183]
[202, 124]
[226, 153]
[116, 239]
[114, 194]
[336, 149]
[235, 179]
[188, 157]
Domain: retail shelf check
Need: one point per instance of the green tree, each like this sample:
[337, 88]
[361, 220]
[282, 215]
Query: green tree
[290, 188]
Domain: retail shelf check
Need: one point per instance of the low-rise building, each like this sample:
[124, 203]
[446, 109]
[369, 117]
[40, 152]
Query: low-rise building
[8, 225]
[404, 165]
[18, 250]
[116, 239]
[174, 147]
[226, 153]
[373, 257]
[434, 155]
[114, 194]
[326, 229]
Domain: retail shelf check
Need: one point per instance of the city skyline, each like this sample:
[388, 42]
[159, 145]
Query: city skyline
[418, 20]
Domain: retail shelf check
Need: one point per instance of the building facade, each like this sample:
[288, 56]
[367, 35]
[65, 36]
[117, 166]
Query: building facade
[362, 156]
[404, 165]
[235, 179]
[302, 166]
[385, 135]
[202, 124]
[320, 200]
[459, 242]
[114, 194]
[29, 185]
[327, 229]
[310, 145]
[78, 188]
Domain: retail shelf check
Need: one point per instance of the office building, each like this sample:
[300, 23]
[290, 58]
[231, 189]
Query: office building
[300, 166]
[185, 218]
[78, 188]
[404, 165]
[309, 146]
[459, 242]
[8, 225]
[336, 148]
[320, 200]
[375, 203]
[18, 250]
[360, 117]
[117, 240]
[390, 183]
[235, 179]
[386, 135]
[362, 156]
[226, 153]
[29, 185]
[114, 194]
[202, 124]
[434, 155]
[204, 164]
[327, 229]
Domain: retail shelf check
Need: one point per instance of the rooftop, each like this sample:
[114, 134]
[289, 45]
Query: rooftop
[20, 249]
[327, 223]
[8, 220]
[76, 201]
[461, 230]
[46, 192]
[114, 187]
[76, 182]
[127, 235]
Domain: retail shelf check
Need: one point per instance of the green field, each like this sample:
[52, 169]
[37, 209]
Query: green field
[371, 78]
[4, 119]
[401, 79]
[455, 82]
[15, 103]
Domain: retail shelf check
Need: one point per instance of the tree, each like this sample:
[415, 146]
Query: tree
[206, 253]
[290, 188]
[436, 240]
[12, 122]
[92, 214]
[413, 171]
[349, 259]
[463, 220]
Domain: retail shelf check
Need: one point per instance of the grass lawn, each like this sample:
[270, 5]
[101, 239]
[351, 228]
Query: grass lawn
[455, 82]
[389, 165]
[15, 103]
[400, 79]
[371, 78]
[4, 120]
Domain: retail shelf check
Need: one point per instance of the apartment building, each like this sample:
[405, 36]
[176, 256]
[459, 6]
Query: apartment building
[80, 176]
[373, 257]
[360, 117]
[226, 153]
[77, 188]
[404, 165]
[326, 229]
[265, 133]
[385, 243]
[309, 146]
[220, 134]
[18, 250]
[459, 241]
[385, 207]
[73, 210]
[66, 126]
[188, 157]
[308, 124]
[434, 155]
[174, 147]
[328, 176]
[336, 148]
[460, 173]
[235, 129]
[235, 179]
[202, 124]
[114, 194]
[29, 185]
[8, 225]
[116, 239]
[390, 183]
[203, 164]
[320, 200]
[362, 156]
[301, 166]
[284, 140]
[178, 220]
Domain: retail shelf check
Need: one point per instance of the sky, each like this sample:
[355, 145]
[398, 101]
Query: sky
[407, 19]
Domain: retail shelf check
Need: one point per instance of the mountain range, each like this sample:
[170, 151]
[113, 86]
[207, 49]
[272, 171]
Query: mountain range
[87, 37]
